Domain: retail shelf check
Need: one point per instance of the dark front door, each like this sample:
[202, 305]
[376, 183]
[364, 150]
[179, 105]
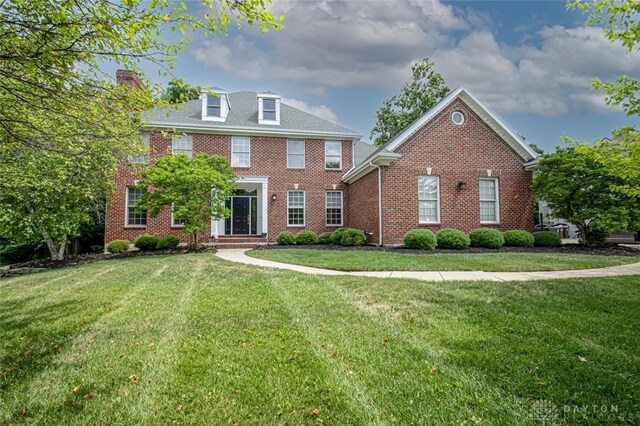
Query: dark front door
[240, 208]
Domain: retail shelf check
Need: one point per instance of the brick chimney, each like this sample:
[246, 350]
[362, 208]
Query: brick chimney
[129, 78]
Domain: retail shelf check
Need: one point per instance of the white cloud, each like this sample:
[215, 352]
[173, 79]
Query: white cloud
[321, 111]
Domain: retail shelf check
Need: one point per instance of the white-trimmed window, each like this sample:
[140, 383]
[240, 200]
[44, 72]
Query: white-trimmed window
[295, 208]
[240, 151]
[175, 222]
[134, 218]
[333, 155]
[334, 208]
[214, 106]
[142, 158]
[489, 204]
[269, 109]
[295, 154]
[428, 199]
[182, 143]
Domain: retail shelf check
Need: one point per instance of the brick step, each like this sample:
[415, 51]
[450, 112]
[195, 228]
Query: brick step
[238, 239]
[236, 245]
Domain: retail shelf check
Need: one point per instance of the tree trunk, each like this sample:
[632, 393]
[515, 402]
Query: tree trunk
[584, 233]
[55, 253]
[193, 240]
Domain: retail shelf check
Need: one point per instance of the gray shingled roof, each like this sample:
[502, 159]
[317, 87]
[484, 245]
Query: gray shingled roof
[362, 151]
[244, 113]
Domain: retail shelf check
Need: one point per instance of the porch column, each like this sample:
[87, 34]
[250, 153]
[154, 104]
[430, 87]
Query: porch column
[265, 207]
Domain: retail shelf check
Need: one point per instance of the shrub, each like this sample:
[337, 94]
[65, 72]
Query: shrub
[518, 238]
[285, 238]
[352, 237]
[306, 237]
[421, 239]
[168, 242]
[118, 246]
[453, 239]
[486, 237]
[336, 236]
[546, 239]
[147, 242]
[325, 238]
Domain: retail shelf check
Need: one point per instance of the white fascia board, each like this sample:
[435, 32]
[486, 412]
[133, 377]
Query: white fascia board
[380, 159]
[520, 146]
[248, 131]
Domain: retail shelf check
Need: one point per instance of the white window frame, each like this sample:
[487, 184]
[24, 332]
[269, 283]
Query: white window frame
[234, 159]
[326, 207]
[304, 209]
[326, 143]
[142, 158]
[437, 200]
[304, 153]
[173, 220]
[496, 201]
[188, 139]
[219, 98]
[126, 210]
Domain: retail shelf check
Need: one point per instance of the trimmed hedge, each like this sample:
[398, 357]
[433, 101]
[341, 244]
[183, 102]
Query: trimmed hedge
[518, 238]
[286, 238]
[421, 239]
[336, 236]
[486, 237]
[168, 242]
[325, 238]
[306, 237]
[546, 239]
[352, 237]
[453, 239]
[118, 246]
[147, 242]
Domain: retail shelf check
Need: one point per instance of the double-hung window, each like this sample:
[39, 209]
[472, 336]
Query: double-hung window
[142, 158]
[269, 109]
[134, 218]
[333, 155]
[174, 220]
[428, 199]
[213, 106]
[489, 204]
[184, 144]
[295, 154]
[334, 208]
[240, 151]
[295, 208]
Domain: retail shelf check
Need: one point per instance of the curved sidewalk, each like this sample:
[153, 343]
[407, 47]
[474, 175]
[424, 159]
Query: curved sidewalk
[239, 256]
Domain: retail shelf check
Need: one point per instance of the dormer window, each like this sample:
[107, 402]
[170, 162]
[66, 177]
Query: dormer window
[268, 108]
[215, 104]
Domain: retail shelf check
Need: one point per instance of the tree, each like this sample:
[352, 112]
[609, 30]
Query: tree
[577, 188]
[416, 97]
[620, 24]
[179, 92]
[195, 188]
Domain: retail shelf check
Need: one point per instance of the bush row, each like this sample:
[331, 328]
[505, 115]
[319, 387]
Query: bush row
[423, 239]
[144, 242]
[341, 236]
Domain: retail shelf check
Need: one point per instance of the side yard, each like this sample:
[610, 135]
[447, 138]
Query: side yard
[194, 339]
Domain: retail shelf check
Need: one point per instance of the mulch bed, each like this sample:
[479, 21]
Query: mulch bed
[34, 265]
[607, 250]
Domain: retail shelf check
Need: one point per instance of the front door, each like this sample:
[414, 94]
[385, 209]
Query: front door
[240, 214]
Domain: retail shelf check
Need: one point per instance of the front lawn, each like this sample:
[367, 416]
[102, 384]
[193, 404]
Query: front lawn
[363, 260]
[192, 339]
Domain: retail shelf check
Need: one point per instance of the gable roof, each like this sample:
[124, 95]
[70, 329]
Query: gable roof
[243, 119]
[528, 156]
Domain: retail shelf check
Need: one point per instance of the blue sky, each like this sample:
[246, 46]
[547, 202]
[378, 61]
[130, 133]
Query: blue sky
[530, 61]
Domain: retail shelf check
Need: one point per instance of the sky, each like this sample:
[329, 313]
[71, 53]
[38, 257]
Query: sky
[531, 62]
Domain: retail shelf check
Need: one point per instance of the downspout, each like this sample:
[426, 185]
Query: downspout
[379, 202]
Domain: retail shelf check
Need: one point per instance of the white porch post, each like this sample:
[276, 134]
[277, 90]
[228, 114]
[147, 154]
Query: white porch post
[265, 207]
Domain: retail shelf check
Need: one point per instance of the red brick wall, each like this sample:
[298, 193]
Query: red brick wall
[268, 158]
[455, 153]
[363, 204]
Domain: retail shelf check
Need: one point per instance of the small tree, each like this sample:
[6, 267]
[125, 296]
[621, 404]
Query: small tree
[579, 189]
[195, 188]
[425, 89]
[178, 92]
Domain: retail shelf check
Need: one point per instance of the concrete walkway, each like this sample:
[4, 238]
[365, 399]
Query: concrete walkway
[239, 256]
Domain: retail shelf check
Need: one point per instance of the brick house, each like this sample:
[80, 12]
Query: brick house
[457, 166]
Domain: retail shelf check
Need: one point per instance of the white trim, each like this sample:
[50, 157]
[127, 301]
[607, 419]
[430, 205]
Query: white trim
[234, 164]
[457, 112]
[251, 131]
[142, 158]
[126, 208]
[497, 201]
[304, 208]
[187, 138]
[173, 220]
[383, 158]
[272, 97]
[326, 207]
[224, 107]
[430, 222]
[325, 155]
[304, 153]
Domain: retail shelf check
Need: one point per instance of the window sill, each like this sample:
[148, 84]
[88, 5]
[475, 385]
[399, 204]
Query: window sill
[332, 170]
[489, 223]
[295, 168]
[334, 226]
[429, 223]
[240, 167]
[296, 226]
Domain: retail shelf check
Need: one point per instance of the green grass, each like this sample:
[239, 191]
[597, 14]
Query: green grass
[210, 341]
[362, 260]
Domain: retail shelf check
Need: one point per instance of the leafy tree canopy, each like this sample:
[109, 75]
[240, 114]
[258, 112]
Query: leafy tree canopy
[416, 97]
[178, 92]
[196, 188]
